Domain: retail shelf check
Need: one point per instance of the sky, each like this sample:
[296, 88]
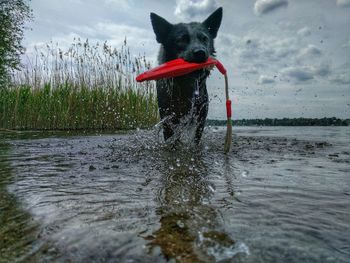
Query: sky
[285, 58]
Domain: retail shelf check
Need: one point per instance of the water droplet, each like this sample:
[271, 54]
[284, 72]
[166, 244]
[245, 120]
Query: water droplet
[244, 173]
[180, 224]
[211, 188]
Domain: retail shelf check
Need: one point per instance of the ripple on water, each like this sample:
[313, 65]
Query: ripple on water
[130, 197]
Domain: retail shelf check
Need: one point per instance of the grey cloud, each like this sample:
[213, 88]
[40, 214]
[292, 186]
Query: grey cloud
[305, 73]
[298, 74]
[347, 44]
[258, 54]
[343, 3]
[225, 39]
[267, 48]
[121, 4]
[322, 70]
[187, 9]
[265, 80]
[266, 6]
[310, 51]
[250, 71]
[342, 79]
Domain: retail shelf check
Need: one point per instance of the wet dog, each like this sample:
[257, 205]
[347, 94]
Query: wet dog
[184, 100]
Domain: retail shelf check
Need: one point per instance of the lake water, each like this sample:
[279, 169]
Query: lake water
[281, 195]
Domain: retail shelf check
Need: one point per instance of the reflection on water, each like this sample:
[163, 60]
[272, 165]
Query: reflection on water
[18, 232]
[282, 194]
[191, 229]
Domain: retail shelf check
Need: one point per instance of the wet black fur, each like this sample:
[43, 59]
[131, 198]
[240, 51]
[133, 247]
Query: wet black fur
[185, 96]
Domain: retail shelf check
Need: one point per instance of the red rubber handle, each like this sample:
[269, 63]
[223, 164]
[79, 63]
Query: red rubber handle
[220, 67]
[228, 109]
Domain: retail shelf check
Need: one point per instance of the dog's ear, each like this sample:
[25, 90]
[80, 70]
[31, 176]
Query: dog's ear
[161, 27]
[212, 23]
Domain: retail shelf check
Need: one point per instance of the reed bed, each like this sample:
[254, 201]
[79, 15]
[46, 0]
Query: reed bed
[87, 86]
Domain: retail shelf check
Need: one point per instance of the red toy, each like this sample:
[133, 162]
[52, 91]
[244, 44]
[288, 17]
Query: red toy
[179, 67]
[176, 68]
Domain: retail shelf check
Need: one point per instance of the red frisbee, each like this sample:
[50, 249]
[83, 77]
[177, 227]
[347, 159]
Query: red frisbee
[178, 67]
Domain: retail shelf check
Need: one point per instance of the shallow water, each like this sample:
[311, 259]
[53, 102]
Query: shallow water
[281, 195]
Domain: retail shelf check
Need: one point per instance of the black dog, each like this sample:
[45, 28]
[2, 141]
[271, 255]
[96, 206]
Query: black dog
[183, 100]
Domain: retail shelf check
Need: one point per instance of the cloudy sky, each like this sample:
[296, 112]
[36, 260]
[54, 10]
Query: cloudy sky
[286, 58]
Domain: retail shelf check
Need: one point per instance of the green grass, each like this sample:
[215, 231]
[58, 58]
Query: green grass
[66, 107]
[85, 87]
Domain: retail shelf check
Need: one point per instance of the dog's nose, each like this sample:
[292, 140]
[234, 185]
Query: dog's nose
[199, 55]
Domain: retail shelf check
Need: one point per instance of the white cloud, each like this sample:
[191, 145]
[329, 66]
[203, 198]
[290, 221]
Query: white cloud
[304, 32]
[263, 79]
[62, 41]
[138, 39]
[110, 30]
[310, 51]
[343, 3]
[188, 9]
[265, 6]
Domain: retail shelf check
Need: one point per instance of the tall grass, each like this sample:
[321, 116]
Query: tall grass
[87, 86]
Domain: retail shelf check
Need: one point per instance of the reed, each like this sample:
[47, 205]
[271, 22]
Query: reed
[84, 87]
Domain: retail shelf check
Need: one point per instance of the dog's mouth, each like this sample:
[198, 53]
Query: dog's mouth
[200, 55]
[199, 60]
[197, 56]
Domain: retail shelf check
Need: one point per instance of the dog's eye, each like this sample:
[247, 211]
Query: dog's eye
[183, 39]
[203, 38]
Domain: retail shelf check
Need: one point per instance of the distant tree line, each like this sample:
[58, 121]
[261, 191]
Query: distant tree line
[284, 122]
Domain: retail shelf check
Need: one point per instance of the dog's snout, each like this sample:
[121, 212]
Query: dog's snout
[199, 55]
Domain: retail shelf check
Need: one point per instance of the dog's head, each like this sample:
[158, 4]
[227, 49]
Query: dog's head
[194, 42]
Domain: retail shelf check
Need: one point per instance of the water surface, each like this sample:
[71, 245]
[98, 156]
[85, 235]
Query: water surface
[281, 195]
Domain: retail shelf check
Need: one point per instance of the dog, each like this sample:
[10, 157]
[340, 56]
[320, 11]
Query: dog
[184, 100]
